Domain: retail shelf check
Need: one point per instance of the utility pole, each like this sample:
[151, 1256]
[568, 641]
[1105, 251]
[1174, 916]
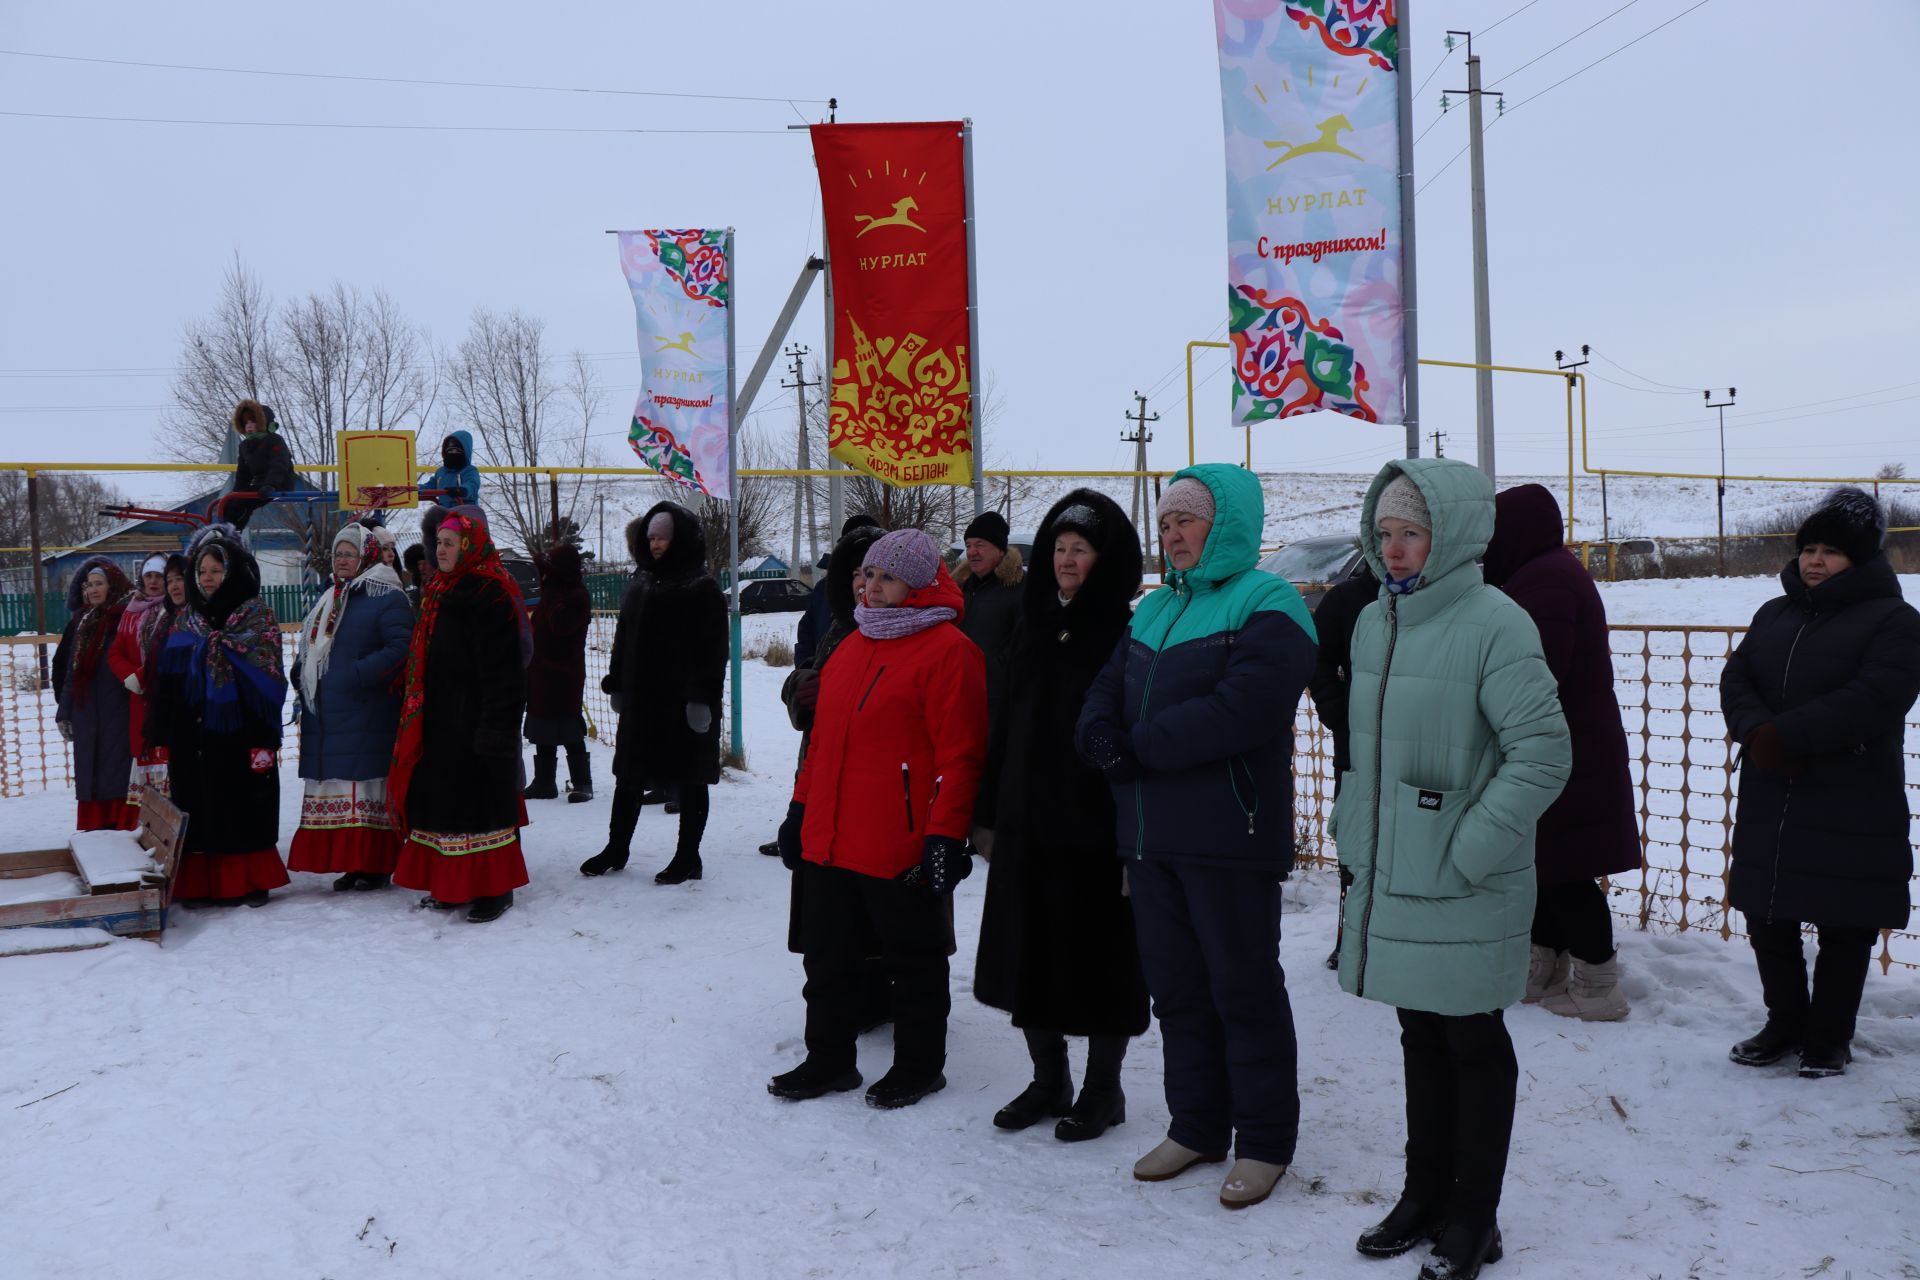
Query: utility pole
[1482, 322]
[1139, 440]
[802, 485]
[602, 496]
[1721, 489]
[1439, 439]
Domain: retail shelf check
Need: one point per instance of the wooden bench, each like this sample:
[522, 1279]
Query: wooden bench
[120, 899]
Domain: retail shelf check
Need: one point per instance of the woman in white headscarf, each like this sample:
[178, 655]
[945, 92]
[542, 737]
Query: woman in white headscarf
[346, 681]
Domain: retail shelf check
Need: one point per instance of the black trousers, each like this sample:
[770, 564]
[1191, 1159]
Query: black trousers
[841, 913]
[1210, 948]
[1826, 1016]
[1574, 917]
[579, 764]
[694, 806]
[1461, 1079]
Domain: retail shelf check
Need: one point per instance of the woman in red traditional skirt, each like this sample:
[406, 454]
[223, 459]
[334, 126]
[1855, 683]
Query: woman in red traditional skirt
[353, 647]
[146, 613]
[214, 704]
[455, 782]
[93, 704]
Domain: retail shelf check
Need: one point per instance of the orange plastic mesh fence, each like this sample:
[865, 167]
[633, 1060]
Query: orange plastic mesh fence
[1666, 679]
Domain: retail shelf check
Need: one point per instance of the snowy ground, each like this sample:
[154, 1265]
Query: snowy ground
[341, 1086]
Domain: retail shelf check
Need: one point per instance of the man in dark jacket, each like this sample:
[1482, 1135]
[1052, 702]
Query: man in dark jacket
[1590, 831]
[1334, 618]
[990, 581]
[264, 466]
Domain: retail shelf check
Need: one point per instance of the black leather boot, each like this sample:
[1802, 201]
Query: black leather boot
[488, 909]
[1767, 1047]
[1050, 1094]
[1412, 1222]
[684, 867]
[579, 775]
[1820, 1061]
[604, 861]
[1101, 1104]
[812, 1079]
[1461, 1253]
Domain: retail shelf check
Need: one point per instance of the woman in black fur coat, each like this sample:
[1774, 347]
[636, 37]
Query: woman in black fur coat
[666, 677]
[1057, 947]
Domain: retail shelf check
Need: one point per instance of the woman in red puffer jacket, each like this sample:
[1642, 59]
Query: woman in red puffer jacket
[879, 821]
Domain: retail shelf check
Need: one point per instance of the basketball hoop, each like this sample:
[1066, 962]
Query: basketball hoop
[380, 497]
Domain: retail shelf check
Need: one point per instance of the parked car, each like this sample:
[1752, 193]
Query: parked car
[1314, 564]
[526, 577]
[773, 595]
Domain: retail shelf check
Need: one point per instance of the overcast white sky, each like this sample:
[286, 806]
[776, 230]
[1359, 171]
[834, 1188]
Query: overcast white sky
[1728, 201]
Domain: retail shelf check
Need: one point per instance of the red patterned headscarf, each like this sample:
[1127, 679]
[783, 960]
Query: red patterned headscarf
[95, 628]
[478, 559]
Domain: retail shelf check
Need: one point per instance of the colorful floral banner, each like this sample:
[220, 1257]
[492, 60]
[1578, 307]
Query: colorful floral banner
[895, 201]
[682, 287]
[1310, 93]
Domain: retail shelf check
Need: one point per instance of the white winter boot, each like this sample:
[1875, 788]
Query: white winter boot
[1592, 993]
[1249, 1182]
[1546, 974]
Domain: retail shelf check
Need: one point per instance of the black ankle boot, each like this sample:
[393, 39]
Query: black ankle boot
[1038, 1101]
[604, 861]
[1461, 1253]
[579, 775]
[1411, 1222]
[683, 867]
[902, 1087]
[488, 909]
[1771, 1044]
[813, 1079]
[351, 880]
[1099, 1108]
[370, 881]
[1820, 1061]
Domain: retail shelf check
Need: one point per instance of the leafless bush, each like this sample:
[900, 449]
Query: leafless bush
[779, 654]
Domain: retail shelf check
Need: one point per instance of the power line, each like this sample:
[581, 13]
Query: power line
[1516, 13]
[1643, 377]
[330, 124]
[442, 84]
[1628, 386]
[1557, 83]
[1570, 39]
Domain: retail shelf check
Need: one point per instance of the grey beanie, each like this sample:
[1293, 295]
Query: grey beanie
[1186, 494]
[1402, 500]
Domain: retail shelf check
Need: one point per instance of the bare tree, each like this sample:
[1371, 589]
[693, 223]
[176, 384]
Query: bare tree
[70, 513]
[1891, 471]
[225, 356]
[402, 371]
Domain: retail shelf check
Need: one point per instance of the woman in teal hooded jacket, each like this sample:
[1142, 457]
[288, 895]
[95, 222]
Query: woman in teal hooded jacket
[1191, 721]
[1458, 746]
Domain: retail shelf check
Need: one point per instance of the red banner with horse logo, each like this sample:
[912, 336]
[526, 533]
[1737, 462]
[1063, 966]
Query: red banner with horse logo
[895, 201]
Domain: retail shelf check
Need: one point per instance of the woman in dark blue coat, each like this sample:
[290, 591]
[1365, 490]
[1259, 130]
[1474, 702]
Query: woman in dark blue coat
[1817, 696]
[347, 685]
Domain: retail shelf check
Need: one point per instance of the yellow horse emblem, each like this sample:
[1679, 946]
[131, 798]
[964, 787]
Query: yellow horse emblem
[1330, 131]
[902, 216]
[683, 343]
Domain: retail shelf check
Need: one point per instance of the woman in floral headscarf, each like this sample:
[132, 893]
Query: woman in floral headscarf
[92, 711]
[346, 681]
[215, 706]
[455, 781]
[149, 612]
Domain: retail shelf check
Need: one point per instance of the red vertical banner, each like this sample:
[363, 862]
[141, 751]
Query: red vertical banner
[895, 202]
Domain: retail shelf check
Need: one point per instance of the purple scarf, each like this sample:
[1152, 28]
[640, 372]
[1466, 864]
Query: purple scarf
[893, 624]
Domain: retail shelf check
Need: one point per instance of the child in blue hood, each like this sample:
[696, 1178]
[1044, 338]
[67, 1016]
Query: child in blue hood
[457, 471]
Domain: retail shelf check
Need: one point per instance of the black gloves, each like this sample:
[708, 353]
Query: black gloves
[699, 717]
[789, 837]
[1110, 751]
[944, 863]
[267, 492]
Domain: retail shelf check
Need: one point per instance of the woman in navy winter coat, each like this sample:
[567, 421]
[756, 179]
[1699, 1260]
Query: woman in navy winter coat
[1817, 696]
[1590, 830]
[347, 685]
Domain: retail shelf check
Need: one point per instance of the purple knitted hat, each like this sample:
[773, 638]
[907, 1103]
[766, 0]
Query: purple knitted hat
[907, 554]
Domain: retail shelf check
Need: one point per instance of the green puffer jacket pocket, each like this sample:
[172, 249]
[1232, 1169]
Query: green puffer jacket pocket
[1417, 859]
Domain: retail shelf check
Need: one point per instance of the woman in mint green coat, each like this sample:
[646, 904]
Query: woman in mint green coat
[1458, 746]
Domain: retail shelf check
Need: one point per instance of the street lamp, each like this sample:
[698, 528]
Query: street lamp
[1721, 499]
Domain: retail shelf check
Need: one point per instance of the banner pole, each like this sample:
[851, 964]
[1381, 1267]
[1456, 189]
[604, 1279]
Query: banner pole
[1409, 278]
[836, 487]
[973, 322]
[736, 750]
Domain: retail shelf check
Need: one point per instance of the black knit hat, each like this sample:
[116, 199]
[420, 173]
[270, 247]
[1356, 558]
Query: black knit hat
[1849, 519]
[988, 526]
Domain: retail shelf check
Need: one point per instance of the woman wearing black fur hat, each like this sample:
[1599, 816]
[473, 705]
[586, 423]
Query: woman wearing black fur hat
[666, 677]
[1057, 949]
[1817, 696]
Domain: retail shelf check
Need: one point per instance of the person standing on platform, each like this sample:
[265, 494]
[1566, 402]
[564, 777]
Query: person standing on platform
[264, 466]
[457, 474]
